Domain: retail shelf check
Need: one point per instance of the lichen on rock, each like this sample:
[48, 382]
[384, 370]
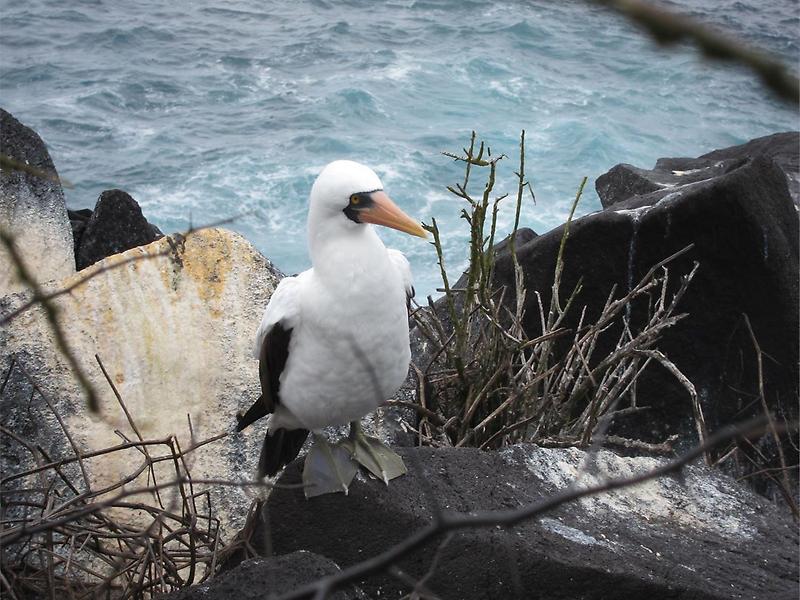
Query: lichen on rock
[174, 332]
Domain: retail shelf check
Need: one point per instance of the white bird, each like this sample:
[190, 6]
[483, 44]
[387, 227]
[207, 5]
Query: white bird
[333, 343]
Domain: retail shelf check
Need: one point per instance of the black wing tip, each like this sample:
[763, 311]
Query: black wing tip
[253, 414]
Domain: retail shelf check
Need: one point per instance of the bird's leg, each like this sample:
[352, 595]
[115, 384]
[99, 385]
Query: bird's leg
[374, 455]
[327, 468]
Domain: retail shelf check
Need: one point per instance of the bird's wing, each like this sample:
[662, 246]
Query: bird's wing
[283, 307]
[272, 348]
[402, 265]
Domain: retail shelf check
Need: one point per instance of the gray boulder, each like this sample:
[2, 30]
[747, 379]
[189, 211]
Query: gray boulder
[697, 535]
[32, 207]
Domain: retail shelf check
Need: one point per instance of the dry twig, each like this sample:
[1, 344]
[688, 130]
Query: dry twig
[492, 384]
[668, 28]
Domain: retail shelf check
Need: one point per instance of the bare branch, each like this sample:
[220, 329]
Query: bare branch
[90, 274]
[772, 428]
[12, 164]
[668, 28]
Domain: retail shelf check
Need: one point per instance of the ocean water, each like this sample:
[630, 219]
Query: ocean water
[206, 110]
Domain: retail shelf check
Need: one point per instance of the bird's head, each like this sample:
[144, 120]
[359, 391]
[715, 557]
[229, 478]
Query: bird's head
[352, 192]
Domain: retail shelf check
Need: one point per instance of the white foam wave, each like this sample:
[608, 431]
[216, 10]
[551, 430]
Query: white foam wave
[399, 71]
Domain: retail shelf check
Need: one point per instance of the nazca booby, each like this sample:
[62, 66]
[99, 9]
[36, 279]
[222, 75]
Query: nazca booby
[333, 342]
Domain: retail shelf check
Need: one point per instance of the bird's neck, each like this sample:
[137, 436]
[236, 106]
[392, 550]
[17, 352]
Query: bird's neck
[342, 253]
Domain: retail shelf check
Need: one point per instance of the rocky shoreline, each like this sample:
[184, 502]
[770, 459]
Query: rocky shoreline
[170, 318]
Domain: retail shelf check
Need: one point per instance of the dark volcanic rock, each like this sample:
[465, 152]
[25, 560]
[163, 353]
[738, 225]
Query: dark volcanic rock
[625, 181]
[78, 220]
[744, 228]
[115, 225]
[524, 235]
[264, 578]
[23, 145]
[699, 536]
[32, 206]
[781, 148]
[82, 214]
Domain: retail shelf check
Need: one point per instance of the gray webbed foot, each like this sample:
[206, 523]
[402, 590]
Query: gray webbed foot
[373, 455]
[327, 469]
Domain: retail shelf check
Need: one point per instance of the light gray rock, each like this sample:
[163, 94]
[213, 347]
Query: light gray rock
[175, 333]
[32, 208]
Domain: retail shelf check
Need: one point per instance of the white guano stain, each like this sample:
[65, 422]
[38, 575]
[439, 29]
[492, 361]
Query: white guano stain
[705, 501]
[572, 534]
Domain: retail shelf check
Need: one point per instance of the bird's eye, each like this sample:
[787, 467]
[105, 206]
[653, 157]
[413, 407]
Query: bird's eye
[354, 199]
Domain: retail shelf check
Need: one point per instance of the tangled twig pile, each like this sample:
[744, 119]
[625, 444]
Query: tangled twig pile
[64, 536]
[493, 384]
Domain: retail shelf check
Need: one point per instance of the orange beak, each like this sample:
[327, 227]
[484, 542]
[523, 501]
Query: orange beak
[385, 212]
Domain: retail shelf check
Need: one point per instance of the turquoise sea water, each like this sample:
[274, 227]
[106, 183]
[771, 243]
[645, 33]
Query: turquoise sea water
[204, 110]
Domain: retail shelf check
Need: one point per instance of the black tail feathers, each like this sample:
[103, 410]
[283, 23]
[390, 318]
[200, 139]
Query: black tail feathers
[279, 449]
